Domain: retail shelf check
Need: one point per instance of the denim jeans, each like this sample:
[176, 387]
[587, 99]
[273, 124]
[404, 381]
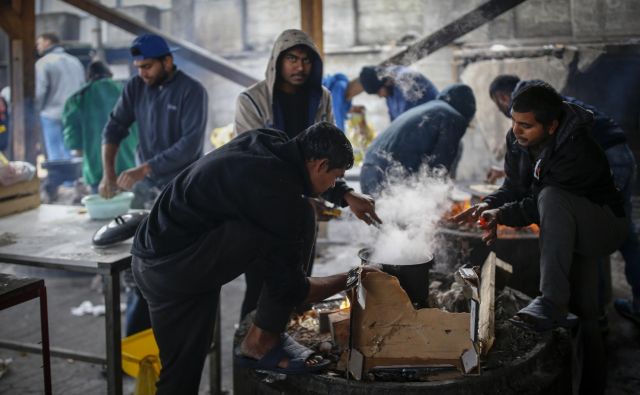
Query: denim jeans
[55, 150]
[623, 167]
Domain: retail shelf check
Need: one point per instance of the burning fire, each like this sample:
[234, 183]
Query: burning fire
[345, 304]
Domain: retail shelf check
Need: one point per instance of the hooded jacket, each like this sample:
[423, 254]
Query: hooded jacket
[572, 161]
[256, 108]
[258, 178]
[337, 85]
[427, 134]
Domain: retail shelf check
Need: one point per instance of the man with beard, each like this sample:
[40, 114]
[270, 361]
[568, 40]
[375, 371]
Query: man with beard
[291, 98]
[170, 109]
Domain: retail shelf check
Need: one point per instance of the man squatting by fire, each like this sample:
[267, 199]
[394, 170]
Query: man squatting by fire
[558, 177]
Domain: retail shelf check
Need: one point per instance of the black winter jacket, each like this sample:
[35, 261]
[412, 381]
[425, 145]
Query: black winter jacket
[572, 161]
[259, 178]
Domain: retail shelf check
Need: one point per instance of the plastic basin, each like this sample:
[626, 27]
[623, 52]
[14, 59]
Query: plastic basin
[101, 208]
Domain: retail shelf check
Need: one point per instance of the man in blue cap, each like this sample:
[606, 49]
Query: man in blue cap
[171, 111]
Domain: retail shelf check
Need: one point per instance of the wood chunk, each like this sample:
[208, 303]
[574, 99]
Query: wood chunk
[486, 325]
[339, 323]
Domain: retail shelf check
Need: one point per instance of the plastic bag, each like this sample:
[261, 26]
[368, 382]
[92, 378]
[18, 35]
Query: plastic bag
[147, 376]
[15, 172]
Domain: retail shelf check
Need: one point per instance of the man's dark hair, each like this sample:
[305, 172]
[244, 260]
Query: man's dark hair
[52, 37]
[503, 83]
[540, 98]
[324, 140]
[97, 70]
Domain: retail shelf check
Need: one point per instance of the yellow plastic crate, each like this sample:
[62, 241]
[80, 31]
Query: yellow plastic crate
[137, 347]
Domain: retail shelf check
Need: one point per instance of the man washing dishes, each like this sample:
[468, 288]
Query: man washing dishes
[558, 177]
[243, 205]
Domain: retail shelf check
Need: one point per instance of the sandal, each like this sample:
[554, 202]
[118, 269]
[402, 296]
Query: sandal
[541, 315]
[287, 347]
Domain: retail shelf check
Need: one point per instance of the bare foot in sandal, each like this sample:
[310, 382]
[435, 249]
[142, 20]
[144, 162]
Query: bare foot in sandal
[278, 352]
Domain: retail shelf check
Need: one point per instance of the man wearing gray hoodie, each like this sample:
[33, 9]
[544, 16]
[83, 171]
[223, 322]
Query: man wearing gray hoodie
[291, 98]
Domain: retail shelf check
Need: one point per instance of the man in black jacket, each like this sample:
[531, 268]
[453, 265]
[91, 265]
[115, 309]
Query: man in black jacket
[558, 177]
[243, 205]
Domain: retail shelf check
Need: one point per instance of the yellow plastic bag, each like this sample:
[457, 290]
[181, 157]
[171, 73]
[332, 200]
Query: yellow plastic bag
[147, 376]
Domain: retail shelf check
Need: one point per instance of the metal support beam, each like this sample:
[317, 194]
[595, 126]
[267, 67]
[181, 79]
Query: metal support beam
[189, 51]
[456, 29]
[311, 21]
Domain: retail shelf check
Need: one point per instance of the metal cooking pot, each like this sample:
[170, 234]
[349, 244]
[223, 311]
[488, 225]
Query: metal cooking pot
[414, 279]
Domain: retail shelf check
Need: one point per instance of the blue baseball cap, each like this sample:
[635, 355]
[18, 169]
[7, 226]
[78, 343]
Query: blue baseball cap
[149, 46]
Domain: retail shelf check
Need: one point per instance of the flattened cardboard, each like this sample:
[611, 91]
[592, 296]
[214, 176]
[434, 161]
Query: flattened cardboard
[391, 332]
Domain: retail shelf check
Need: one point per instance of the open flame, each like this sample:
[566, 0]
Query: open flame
[459, 206]
[345, 304]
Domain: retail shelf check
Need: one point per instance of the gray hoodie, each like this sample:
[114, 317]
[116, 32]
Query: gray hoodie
[254, 107]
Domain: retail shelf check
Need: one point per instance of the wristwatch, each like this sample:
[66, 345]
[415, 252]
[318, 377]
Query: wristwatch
[353, 277]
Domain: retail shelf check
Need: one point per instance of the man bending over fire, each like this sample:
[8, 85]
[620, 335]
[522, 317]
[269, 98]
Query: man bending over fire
[241, 206]
[558, 177]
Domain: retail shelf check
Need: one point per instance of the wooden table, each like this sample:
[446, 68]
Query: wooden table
[59, 237]
[13, 291]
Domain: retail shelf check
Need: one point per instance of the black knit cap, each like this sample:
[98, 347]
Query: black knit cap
[97, 70]
[370, 80]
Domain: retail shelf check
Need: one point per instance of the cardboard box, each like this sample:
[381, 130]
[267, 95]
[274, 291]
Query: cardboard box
[387, 331]
[19, 197]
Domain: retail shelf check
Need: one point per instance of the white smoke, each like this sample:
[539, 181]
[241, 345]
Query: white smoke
[410, 207]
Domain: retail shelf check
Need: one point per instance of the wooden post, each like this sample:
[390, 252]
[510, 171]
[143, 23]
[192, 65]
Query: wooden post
[19, 21]
[311, 21]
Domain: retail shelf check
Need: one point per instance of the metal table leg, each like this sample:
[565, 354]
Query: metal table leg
[44, 329]
[113, 330]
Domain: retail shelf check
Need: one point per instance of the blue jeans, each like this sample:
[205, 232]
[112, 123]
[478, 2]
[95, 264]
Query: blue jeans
[623, 167]
[53, 139]
[55, 150]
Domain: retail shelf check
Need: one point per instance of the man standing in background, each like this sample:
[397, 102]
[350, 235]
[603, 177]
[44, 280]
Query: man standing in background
[170, 108]
[58, 76]
[85, 114]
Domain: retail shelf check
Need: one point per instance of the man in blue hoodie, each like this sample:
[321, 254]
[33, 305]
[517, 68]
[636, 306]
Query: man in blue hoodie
[427, 134]
[401, 87]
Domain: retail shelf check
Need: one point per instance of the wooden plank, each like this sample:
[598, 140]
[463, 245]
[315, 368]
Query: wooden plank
[18, 205]
[486, 325]
[311, 19]
[188, 50]
[20, 189]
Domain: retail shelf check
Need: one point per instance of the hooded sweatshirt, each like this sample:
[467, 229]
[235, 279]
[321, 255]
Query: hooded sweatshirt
[572, 161]
[427, 134]
[256, 107]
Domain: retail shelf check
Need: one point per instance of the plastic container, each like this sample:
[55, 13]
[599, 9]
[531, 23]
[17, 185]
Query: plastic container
[136, 348]
[101, 208]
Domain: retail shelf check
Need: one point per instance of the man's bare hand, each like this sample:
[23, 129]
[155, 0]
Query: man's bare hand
[489, 220]
[470, 215]
[128, 178]
[363, 206]
[108, 187]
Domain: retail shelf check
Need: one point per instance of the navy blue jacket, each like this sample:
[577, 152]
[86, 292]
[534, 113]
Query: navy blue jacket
[427, 134]
[171, 117]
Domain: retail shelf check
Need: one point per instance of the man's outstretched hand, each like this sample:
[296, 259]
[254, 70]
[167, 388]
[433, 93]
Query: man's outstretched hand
[363, 207]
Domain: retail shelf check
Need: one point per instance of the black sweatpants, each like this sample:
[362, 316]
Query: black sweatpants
[183, 290]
